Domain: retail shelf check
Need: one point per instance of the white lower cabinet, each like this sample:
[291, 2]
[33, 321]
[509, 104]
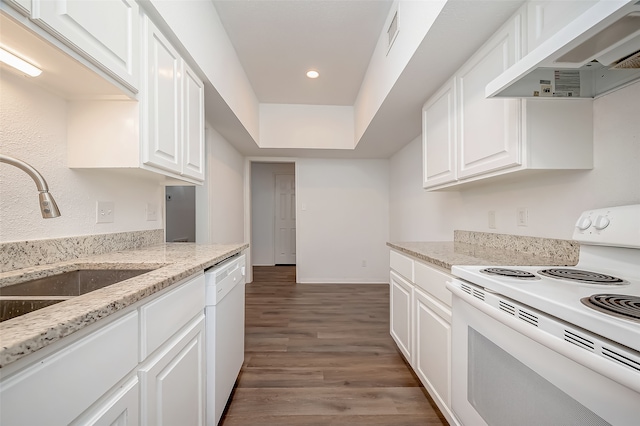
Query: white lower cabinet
[95, 377]
[432, 357]
[172, 380]
[420, 324]
[401, 293]
[121, 408]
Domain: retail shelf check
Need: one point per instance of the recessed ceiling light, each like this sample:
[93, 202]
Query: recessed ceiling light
[313, 74]
[19, 64]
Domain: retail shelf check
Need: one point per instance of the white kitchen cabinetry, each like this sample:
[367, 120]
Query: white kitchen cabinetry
[173, 109]
[121, 408]
[58, 388]
[547, 17]
[401, 294]
[439, 128]
[420, 321]
[162, 133]
[498, 136]
[172, 380]
[94, 376]
[88, 27]
[22, 6]
[487, 129]
[432, 323]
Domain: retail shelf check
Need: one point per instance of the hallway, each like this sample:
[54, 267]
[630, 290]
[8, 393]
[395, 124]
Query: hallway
[322, 355]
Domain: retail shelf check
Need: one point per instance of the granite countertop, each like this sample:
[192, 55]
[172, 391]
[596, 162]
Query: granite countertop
[448, 253]
[28, 333]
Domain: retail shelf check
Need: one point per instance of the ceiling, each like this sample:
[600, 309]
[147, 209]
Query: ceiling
[277, 41]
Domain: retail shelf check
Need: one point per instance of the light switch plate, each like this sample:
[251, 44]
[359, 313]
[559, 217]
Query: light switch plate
[105, 211]
[492, 219]
[522, 217]
[152, 211]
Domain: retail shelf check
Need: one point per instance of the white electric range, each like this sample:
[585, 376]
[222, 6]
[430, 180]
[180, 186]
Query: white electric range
[558, 325]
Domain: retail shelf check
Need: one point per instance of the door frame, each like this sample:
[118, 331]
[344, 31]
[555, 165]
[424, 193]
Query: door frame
[247, 205]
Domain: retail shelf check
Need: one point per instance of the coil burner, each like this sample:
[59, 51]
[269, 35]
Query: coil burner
[618, 305]
[584, 277]
[510, 273]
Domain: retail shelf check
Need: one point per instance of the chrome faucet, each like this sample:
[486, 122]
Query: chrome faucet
[48, 206]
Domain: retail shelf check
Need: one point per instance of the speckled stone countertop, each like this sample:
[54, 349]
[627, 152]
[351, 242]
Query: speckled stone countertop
[28, 333]
[448, 253]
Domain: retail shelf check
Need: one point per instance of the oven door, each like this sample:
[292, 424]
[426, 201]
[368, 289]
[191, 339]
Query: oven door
[501, 376]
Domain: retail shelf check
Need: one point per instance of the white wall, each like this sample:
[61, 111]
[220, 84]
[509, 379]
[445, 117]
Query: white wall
[263, 210]
[554, 200]
[220, 202]
[306, 126]
[34, 129]
[342, 220]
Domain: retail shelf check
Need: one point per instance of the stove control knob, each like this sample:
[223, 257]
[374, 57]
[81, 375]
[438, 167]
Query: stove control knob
[601, 222]
[583, 223]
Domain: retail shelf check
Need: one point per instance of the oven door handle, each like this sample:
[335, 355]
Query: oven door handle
[595, 362]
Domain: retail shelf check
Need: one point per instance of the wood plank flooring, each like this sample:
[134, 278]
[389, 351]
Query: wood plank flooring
[322, 355]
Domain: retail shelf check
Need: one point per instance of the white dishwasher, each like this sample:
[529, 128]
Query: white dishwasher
[224, 312]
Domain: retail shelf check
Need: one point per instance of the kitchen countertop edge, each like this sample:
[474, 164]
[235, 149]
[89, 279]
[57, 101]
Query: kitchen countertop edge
[446, 254]
[29, 333]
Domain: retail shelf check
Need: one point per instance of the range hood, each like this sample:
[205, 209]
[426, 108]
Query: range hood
[595, 53]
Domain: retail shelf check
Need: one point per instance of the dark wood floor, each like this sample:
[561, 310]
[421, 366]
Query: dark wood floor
[322, 355]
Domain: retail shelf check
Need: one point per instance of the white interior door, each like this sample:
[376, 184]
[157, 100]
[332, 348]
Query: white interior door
[285, 220]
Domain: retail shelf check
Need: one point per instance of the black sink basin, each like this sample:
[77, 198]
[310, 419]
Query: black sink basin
[22, 298]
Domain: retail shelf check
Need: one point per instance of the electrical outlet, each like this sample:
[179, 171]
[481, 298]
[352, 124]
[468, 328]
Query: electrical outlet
[364, 263]
[152, 211]
[105, 211]
[522, 217]
[492, 219]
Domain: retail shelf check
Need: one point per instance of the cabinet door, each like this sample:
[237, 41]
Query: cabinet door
[161, 117]
[432, 357]
[119, 409]
[193, 123]
[401, 292]
[173, 380]
[438, 137]
[547, 17]
[488, 129]
[106, 32]
[58, 388]
[22, 6]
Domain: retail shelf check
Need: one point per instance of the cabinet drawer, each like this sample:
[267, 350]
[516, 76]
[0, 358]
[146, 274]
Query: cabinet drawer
[163, 317]
[402, 265]
[58, 388]
[433, 282]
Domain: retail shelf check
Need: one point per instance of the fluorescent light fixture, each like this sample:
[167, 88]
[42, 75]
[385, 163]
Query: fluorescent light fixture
[313, 74]
[19, 64]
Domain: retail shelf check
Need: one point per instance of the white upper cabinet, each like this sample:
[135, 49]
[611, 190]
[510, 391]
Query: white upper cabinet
[547, 17]
[105, 32]
[496, 136]
[162, 132]
[193, 125]
[488, 133]
[439, 129]
[161, 108]
[172, 119]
